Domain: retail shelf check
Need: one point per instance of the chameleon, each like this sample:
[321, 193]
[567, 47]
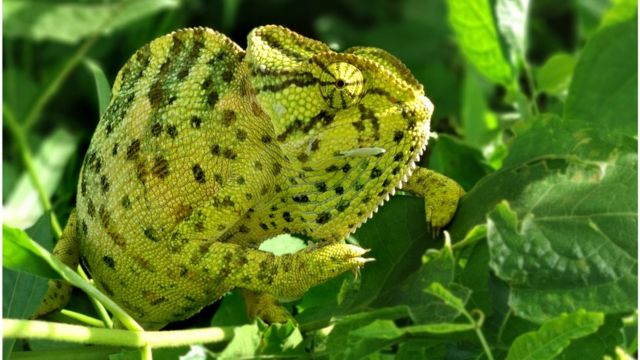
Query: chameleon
[206, 150]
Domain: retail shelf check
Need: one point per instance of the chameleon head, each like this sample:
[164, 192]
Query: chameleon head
[358, 101]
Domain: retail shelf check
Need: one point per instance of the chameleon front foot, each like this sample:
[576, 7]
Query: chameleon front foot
[441, 196]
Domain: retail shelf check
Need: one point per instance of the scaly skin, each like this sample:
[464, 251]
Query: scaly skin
[206, 150]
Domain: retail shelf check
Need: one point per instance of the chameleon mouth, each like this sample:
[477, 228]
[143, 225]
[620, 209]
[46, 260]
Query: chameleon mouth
[404, 177]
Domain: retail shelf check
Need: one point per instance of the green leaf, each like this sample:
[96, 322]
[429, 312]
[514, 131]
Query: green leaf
[458, 160]
[472, 21]
[554, 335]
[599, 344]
[512, 22]
[245, 342]
[572, 242]
[71, 21]
[103, 90]
[23, 206]
[232, 311]
[378, 329]
[441, 328]
[604, 90]
[281, 339]
[18, 253]
[620, 11]
[445, 295]
[479, 125]
[555, 74]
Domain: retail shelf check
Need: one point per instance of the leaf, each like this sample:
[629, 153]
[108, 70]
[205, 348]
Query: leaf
[571, 243]
[22, 294]
[620, 11]
[555, 74]
[473, 24]
[70, 22]
[103, 90]
[457, 160]
[281, 339]
[597, 345]
[23, 207]
[479, 125]
[440, 328]
[232, 311]
[445, 295]
[245, 342]
[554, 335]
[18, 253]
[512, 22]
[604, 90]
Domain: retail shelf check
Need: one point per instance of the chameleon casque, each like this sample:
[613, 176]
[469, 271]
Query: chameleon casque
[207, 150]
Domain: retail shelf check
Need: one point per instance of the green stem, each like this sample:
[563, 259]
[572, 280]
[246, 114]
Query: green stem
[19, 134]
[478, 329]
[35, 329]
[504, 325]
[532, 88]
[53, 87]
[102, 312]
[87, 320]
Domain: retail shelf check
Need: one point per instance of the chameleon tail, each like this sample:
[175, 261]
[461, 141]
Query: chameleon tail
[66, 250]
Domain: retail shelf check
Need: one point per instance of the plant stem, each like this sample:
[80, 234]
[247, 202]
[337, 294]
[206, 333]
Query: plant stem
[19, 134]
[478, 330]
[87, 320]
[35, 329]
[503, 325]
[102, 312]
[53, 87]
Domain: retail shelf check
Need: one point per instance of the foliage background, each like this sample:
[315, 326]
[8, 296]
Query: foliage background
[536, 110]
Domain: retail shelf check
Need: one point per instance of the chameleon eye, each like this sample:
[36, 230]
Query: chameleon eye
[341, 85]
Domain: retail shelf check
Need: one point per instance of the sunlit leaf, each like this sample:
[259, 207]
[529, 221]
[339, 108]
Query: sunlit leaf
[103, 90]
[554, 335]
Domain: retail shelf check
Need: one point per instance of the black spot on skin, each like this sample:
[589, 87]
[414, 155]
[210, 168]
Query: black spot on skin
[91, 210]
[315, 145]
[321, 186]
[227, 76]
[375, 172]
[206, 84]
[172, 131]
[257, 165]
[104, 184]
[126, 202]
[212, 98]
[156, 94]
[339, 190]
[398, 157]
[228, 117]
[395, 170]
[331, 168]
[133, 149]
[277, 167]
[114, 152]
[160, 167]
[358, 186]
[386, 182]
[109, 261]
[84, 228]
[301, 198]
[228, 202]
[241, 180]
[397, 136]
[346, 168]
[264, 226]
[241, 135]
[303, 157]
[157, 301]
[105, 217]
[215, 149]
[342, 206]
[151, 234]
[156, 129]
[248, 196]
[196, 122]
[83, 186]
[218, 178]
[198, 226]
[244, 229]
[198, 174]
[229, 154]
[287, 216]
[266, 139]
[323, 217]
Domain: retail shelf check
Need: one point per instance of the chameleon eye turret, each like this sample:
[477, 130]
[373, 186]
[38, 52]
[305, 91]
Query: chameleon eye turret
[206, 150]
[341, 85]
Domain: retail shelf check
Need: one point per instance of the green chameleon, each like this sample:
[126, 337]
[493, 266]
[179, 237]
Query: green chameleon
[207, 150]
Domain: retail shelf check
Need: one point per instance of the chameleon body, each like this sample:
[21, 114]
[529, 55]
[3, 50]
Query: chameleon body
[206, 150]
